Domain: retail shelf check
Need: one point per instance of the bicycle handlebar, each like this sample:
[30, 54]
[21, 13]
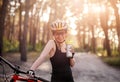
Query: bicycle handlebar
[11, 65]
[17, 70]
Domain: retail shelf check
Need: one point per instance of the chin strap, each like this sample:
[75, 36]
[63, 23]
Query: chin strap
[59, 42]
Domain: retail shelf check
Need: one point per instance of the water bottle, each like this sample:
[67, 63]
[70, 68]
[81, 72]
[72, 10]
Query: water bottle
[68, 49]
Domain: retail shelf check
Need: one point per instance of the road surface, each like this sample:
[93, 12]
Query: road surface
[88, 68]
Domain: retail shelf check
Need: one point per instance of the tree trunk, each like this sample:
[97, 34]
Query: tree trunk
[107, 42]
[48, 32]
[35, 33]
[31, 31]
[12, 29]
[117, 26]
[93, 40]
[116, 11]
[44, 33]
[24, 35]
[20, 24]
[103, 20]
[3, 12]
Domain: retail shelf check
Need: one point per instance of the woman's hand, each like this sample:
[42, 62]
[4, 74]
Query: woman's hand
[72, 51]
[72, 62]
[31, 73]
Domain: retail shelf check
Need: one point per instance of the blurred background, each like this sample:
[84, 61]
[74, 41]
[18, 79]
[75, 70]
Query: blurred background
[94, 26]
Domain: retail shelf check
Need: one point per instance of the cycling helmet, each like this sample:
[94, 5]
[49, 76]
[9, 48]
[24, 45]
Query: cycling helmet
[58, 25]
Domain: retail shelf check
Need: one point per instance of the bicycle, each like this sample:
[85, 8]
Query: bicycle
[16, 76]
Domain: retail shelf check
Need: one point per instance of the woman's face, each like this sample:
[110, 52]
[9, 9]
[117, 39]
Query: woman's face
[60, 36]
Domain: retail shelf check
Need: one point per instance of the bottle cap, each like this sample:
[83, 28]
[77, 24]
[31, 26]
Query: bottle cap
[69, 41]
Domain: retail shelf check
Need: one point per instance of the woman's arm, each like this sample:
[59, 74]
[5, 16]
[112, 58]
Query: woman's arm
[43, 55]
[72, 59]
[72, 62]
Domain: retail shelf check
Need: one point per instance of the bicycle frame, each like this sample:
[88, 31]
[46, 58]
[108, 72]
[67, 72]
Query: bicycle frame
[16, 77]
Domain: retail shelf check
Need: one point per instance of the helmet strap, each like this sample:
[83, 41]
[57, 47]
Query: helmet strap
[60, 42]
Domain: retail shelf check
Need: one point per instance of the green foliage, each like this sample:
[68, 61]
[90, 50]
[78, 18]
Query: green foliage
[13, 46]
[30, 47]
[10, 46]
[115, 53]
[114, 61]
[78, 50]
[102, 51]
[38, 47]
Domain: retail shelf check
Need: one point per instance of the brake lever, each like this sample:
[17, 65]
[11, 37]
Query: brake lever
[17, 69]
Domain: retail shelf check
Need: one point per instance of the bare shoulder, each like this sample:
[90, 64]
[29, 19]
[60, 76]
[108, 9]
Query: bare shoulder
[51, 43]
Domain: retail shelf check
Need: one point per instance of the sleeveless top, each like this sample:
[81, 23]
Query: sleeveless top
[61, 71]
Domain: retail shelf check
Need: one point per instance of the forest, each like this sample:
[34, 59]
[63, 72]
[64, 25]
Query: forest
[94, 25]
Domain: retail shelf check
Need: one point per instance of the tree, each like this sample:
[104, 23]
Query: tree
[104, 20]
[116, 10]
[3, 11]
[23, 40]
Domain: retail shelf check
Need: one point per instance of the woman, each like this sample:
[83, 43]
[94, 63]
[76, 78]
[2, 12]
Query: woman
[56, 50]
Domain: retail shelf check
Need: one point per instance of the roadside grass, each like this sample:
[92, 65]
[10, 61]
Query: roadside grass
[112, 61]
